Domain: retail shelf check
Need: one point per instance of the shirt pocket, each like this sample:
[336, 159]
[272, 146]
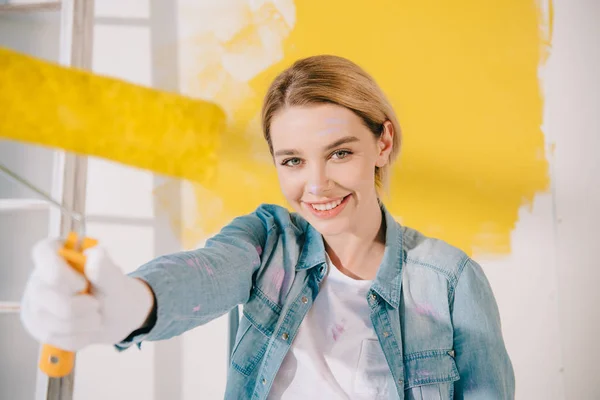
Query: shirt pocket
[430, 375]
[254, 332]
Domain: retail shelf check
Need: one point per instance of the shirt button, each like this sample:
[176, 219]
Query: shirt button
[285, 336]
[304, 299]
[400, 382]
[373, 297]
[386, 334]
[264, 381]
[451, 353]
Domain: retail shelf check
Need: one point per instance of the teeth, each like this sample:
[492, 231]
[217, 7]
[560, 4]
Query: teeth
[327, 206]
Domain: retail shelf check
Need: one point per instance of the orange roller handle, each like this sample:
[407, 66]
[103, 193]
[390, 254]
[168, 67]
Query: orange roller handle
[56, 362]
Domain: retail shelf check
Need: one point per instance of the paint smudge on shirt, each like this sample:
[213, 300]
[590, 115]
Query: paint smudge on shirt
[197, 263]
[426, 309]
[191, 262]
[277, 278]
[337, 330]
[197, 308]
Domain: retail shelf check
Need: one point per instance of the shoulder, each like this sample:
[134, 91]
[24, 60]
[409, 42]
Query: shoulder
[278, 217]
[434, 254]
[271, 219]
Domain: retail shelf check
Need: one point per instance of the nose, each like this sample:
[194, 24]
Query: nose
[318, 183]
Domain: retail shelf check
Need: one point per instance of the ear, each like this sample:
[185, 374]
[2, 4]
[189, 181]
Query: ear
[385, 144]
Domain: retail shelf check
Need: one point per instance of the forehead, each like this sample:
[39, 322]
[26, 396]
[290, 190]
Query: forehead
[314, 125]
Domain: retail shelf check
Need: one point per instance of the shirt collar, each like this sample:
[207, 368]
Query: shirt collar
[388, 281]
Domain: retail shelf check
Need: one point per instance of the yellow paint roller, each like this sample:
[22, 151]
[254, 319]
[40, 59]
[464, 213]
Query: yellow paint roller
[46, 104]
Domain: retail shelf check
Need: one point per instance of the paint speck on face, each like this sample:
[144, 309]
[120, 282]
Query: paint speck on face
[327, 131]
[337, 330]
[197, 308]
[313, 189]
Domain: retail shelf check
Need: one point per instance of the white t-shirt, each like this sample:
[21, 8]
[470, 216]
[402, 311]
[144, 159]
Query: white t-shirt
[336, 354]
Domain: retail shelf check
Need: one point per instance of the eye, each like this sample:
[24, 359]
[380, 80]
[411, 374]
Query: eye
[341, 154]
[291, 162]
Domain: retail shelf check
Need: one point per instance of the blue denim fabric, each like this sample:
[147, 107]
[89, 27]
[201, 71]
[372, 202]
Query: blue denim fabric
[431, 305]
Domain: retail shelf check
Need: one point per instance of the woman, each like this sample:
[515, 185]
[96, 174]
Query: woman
[340, 301]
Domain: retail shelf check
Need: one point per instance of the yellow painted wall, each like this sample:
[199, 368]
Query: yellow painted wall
[463, 77]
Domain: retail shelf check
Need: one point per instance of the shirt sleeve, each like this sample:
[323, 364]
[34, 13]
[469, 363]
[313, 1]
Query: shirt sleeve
[483, 363]
[194, 287]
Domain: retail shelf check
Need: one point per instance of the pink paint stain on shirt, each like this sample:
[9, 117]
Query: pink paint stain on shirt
[197, 308]
[426, 309]
[259, 250]
[209, 270]
[277, 278]
[191, 262]
[337, 331]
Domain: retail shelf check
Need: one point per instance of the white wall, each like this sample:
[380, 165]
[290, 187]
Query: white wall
[572, 120]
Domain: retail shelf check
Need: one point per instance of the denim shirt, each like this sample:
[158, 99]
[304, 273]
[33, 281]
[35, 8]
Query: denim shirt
[432, 307]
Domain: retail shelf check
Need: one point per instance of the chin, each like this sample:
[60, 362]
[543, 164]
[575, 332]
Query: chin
[331, 227]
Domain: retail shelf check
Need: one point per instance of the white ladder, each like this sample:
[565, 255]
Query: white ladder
[69, 171]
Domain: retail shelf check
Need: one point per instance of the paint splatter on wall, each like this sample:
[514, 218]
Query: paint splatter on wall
[463, 77]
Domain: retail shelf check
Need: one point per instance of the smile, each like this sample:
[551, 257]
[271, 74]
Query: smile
[327, 206]
[329, 209]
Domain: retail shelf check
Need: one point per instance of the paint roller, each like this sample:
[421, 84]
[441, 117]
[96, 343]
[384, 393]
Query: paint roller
[45, 104]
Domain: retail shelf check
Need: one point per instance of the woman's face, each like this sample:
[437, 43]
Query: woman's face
[325, 158]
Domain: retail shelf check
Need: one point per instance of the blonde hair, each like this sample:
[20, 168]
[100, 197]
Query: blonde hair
[336, 80]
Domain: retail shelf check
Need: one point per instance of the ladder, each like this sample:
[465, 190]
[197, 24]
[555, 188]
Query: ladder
[69, 171]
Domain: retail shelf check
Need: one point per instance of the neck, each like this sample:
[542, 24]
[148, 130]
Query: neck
[358, 253]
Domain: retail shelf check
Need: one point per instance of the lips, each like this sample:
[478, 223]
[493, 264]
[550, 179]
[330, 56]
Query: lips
[327, 206]
[329, 209]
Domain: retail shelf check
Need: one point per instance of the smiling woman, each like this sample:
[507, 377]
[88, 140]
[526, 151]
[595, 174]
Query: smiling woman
[334, 80]
[340, 300]
[317, 172]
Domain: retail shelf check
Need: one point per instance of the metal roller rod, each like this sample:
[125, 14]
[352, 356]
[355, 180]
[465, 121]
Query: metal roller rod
[75, 215]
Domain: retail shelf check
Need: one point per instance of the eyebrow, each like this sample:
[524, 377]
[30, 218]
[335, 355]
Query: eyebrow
[331, 146]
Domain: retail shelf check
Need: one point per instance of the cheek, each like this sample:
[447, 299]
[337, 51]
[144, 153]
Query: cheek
[291, 186]
[359, 174]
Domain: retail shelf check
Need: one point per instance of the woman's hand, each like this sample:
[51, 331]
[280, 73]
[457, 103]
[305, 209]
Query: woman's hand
[55, 312]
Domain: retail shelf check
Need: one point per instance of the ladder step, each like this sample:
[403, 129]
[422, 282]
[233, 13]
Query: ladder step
[23, 204]
[30, 6]
[8, 307]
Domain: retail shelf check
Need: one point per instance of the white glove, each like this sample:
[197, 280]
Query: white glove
[54, 312]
